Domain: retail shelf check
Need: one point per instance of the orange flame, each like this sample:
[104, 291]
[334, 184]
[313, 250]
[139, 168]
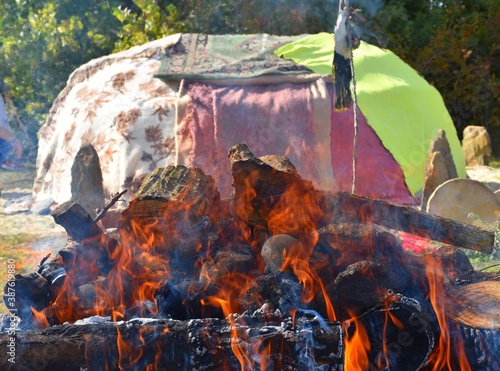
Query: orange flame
[442, 356]
[357, 347]
[40, 318]
[389, 318]
[128, 354]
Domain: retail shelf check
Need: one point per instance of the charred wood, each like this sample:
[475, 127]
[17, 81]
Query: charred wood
[203, 344]
[474, 305]
[263, 340]
[76, 221]
[269, 193]
[342, 206]
[482, 347]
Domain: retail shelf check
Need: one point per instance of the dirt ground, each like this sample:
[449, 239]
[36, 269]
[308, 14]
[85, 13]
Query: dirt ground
[25, 237]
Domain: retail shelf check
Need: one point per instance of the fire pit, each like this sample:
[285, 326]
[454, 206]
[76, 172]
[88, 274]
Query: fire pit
[278, 276]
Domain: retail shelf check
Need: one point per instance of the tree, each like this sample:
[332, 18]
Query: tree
[42, 42]
[150, 21]
[454, 44]
[460, 61]
[290, 17]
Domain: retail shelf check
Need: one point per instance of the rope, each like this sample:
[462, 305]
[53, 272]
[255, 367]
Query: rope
[355, 114]
[342, 5]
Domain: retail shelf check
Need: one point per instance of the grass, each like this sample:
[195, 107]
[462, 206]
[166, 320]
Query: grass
[486, 263]
[24, 238]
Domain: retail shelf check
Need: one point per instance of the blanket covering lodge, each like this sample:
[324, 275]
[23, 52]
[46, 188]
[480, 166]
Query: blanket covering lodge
[185, 99]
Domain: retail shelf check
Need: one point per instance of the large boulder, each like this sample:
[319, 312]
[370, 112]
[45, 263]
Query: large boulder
[117, 105]
[476, 144]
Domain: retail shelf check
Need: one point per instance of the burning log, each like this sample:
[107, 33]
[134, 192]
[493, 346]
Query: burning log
[268, 187]
[263, 340]
[92, 245]
[181, 253]
[342, 206]
[77, 222]
[271, 195]
[475, 305]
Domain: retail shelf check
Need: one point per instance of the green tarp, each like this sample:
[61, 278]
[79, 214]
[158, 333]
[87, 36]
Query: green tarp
[402, 107]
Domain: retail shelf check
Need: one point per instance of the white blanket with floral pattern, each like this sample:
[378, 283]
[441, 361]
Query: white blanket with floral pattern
[117, 105]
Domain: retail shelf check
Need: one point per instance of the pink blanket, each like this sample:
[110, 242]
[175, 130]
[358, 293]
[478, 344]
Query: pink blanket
[378, 174]
[270, 119]
[281, 119]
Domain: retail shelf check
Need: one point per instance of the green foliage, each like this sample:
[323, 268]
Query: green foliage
[279, 17]
[42, 42]
[459, 61]
[151, 22]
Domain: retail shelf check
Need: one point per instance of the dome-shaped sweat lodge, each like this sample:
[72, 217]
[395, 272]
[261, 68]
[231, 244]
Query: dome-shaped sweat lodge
[187, 98]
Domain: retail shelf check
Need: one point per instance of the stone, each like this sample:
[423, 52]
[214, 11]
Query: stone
[232, 259]
[276, 249]
[362, 284]
[487, 175]
[476, 145]
[439, 166]
[42, 207]
[467, 201]
[86, 180]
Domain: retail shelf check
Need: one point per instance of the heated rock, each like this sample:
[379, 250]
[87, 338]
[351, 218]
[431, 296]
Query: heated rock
[354, 242]
[231, 259]
[276, 249]
[86, 180]
[173, 189]
[173, 213]
[187, 300]
[278, 291]
[439, 166]
[362, 284]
